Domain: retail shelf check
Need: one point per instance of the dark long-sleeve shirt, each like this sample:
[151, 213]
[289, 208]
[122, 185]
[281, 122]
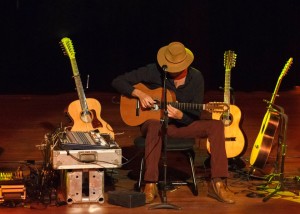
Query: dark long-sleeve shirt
[153, 77]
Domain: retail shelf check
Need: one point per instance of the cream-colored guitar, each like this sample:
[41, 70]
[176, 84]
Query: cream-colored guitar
[85, 112]
[234, 138]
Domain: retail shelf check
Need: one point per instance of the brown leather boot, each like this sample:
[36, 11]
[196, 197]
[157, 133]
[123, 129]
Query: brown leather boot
[150, 192]
[218, 190]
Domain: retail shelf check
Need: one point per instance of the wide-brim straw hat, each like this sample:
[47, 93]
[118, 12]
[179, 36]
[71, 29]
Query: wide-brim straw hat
[175, 56]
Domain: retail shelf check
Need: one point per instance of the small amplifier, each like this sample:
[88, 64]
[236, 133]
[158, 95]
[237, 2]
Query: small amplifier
[12, 193]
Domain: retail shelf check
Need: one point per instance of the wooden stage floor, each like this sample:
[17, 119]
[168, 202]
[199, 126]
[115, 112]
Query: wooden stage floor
[26, 119]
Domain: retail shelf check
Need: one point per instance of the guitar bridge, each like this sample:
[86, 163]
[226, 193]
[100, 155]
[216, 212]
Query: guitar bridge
[230, 139]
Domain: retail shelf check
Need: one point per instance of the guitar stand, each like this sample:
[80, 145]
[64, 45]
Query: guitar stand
[281, 153]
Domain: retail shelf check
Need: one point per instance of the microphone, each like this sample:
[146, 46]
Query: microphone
[165, 68]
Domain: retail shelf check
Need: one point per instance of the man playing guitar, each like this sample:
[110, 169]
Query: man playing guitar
[188, 85]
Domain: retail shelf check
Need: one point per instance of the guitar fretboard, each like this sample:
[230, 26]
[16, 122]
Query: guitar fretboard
[79, 86]
[185, 106]
[227, 87]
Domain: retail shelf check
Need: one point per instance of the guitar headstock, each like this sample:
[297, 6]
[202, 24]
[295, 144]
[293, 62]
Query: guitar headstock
[286, 67]
[67, 47]
[229, 59]
[216, 107]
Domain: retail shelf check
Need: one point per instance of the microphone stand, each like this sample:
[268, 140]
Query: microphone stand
[164, 128]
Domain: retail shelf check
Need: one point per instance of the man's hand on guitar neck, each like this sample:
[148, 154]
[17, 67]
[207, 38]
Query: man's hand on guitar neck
[145, 100]
[174, 112]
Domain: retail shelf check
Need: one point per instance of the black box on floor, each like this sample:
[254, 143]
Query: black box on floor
[128, 199]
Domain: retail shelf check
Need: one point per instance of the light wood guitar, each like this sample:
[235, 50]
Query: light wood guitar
[85, 112]
[234, 137]
[133, 114]
[264, 140]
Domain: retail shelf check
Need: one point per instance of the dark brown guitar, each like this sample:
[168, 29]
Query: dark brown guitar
[264, 140]
[133, 114]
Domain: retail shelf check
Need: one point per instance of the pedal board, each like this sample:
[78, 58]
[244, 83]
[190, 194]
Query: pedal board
[12, 187]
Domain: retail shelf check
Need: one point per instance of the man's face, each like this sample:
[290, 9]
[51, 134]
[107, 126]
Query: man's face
[174, 75]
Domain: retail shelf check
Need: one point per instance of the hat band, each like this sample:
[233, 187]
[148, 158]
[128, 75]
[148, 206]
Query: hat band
[175, 60]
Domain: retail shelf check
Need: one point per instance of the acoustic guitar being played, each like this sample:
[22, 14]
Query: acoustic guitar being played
[133, 114]
[235, 141]
[264, 140]
[85, 112]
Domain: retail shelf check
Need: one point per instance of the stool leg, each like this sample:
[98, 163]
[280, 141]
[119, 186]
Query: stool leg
[195, 189]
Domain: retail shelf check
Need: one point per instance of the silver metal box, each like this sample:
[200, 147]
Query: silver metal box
[84, 186]
[86, 159]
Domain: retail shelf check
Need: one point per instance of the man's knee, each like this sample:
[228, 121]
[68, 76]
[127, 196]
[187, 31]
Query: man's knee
[217, 125]
[153, 125]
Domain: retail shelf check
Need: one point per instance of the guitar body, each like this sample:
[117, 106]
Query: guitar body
[90, 122]
[264, 140]
[133, 114]
[234, 137]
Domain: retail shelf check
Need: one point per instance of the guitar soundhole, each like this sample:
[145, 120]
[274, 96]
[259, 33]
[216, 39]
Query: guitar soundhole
[86, 117]
[227, 119]
[156, 106]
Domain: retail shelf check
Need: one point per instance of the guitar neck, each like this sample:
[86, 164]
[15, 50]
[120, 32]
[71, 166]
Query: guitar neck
[229, 62]
[187, 106]
[274, 95]
[227, 87]
[79, 86]
[282, 74]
